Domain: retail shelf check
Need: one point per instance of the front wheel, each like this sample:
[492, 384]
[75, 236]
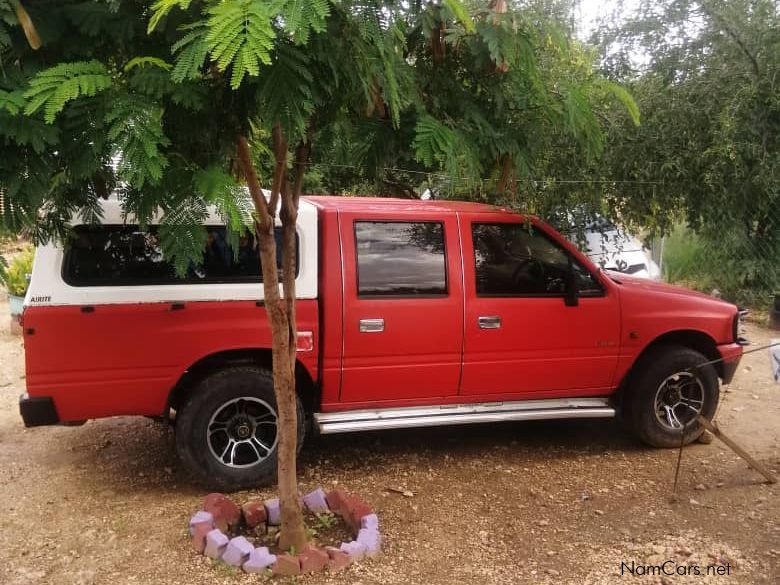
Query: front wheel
[227, 430]
[671, 386]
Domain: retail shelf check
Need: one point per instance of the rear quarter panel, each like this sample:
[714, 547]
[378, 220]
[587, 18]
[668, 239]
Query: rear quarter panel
[124, 359]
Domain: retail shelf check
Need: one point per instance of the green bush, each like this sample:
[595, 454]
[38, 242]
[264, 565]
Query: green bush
[15, 275]
[744, 270]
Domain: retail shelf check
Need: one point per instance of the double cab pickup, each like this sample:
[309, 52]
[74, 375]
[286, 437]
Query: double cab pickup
[410, 314]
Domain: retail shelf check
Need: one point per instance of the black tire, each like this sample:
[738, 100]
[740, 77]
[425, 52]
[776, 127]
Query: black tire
[659, 378]
[240, 399]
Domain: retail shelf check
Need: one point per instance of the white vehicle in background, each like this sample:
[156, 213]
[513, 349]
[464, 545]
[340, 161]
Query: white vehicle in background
[613, 248]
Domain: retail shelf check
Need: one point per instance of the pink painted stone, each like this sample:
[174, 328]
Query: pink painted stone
[287, 565]
[226, 514]
[254, 513]
[356, 510]
[371, 539]
[199, 518]
[337, 501]
[237, 551]
[316, 501]
[259, 560]
[338, 559]
[216, 542]
[356, 550]
[313, 559]
[199, 537]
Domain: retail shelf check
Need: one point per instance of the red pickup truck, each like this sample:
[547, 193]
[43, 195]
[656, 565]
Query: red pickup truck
[410, 314]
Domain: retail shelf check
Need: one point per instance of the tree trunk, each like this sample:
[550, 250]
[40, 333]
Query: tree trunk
[507, 174]
[293, 531]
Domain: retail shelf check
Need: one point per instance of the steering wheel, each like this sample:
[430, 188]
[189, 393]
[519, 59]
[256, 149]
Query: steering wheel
[529, 270]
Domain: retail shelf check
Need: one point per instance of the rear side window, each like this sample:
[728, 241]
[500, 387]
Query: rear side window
[400, 258]
[121, 255]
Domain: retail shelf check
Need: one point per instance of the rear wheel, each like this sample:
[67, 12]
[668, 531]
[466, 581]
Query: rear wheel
[671, 386]
[227, 430]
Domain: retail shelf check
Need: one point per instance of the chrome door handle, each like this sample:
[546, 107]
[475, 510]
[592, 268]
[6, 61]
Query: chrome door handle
[489, 322]
[372, 325]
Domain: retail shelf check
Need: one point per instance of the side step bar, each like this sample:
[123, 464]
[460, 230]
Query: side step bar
[428, 416]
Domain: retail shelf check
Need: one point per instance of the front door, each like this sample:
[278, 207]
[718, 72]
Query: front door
[403, 308]
[520, 336]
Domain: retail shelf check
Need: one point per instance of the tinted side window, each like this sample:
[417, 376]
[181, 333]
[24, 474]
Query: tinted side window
[400, 258]
[120, 255]
[518, 260]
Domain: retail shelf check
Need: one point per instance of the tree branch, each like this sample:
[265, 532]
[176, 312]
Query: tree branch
[248, 169]
[279, 145]
[734, 36]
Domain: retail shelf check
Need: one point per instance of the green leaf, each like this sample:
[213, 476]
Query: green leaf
[191, 51]
[52, 88]
[144, 61]
[135, 128]
[460, 12]
[286, 93]
[12, 101]
[161, 8]
[624, 97]
[182, 236]
[25, 131]
[433, 141]
[241, 35]
[231, 199]
[302, 17]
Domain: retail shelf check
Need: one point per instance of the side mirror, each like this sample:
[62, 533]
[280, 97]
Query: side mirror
[571, 297]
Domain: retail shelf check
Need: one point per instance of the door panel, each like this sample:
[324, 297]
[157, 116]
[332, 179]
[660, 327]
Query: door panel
[403, 307]
[520, 337]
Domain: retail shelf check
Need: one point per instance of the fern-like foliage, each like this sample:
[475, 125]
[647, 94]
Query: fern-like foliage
[135, 128]
[580, 120]
[286, 90]
[461, 13]
[624, 97]
[147, 62]
[161, 8]
[6, 17]
[12, 102]
[182, 237]
[191, 51]
[24, 131]
[52, 88]
[302, 17]
[241, 35]
[433, 141]
[231, 199]
[150, 81]
[91, 18]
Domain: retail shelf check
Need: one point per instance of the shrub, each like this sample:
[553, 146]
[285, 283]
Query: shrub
[15, 276]
[744, 270]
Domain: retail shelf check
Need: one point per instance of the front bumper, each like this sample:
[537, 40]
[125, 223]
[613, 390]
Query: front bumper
[38, 411]
[730, 353]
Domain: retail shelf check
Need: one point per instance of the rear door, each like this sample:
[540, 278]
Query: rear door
[521, 339]
[403, 307]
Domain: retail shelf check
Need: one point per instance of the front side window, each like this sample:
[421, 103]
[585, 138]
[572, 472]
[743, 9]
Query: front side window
[400, 258]
[519, 260]
[119, 255]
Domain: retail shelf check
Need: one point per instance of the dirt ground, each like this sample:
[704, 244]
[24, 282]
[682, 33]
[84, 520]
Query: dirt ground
[552, 502]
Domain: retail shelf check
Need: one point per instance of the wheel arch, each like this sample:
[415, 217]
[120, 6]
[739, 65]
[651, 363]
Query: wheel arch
[305, 385]
[690, 338]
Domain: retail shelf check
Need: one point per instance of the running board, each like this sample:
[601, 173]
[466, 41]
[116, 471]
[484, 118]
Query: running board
[428, 416]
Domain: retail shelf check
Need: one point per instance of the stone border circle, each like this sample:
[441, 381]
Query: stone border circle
[211, 526]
